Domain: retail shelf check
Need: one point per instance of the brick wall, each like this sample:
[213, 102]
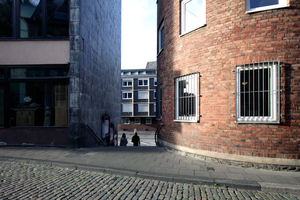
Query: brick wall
[140, 127]
[231, 37]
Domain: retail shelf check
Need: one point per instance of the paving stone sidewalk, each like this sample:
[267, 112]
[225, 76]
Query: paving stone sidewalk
[156, 163]
[33, 181]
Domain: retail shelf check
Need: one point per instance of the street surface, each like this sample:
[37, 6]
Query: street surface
[146, 138]
[32, 181]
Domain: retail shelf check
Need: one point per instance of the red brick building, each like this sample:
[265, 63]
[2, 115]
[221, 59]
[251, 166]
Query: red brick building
[229, 73]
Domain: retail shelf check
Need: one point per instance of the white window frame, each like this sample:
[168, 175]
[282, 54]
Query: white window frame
[281, 4]
[126, 123]
[191, 88]
[155, 81]
[143, 94]
[148, 123]
[273, 93]
[137, 121]
[161, 37]
[183, 16]
[126, 81]
[142, 107]
[126, 95]
[129, 109]
[143, 81]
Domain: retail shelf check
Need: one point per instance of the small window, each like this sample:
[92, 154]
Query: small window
[148, 121]
[126, 107]
[155, 82]
[127, 83]
[126, 121]
[259, 5]
[154, 95]
[186, 98]
[142, 108]
[154, 108]
[193, 15]
[127, 95]
[137, 120]
[257, 92]
[143, 82]
[161, 35]
[142, 94]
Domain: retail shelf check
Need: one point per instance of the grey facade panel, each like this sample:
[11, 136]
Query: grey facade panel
[95, 34]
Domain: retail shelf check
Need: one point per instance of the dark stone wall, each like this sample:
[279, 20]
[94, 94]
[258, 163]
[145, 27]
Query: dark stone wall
[95, 64]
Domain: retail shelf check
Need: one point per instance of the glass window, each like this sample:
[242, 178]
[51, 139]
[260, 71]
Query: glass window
[142, 94]
[126, 121]
[1, 105]
[127, 95]
[193, 15]
[143, 82]
[256, 95]
[137, 120]
[186, 98]
[126, 107]
[161, 35]
[148, 120]
[31, 18]
[1, 73]
[142, 108]
[127, 83]
[6, 23]
[57, 18]
[155, 82]
[38, 73]
[38, 104]
[258, 5]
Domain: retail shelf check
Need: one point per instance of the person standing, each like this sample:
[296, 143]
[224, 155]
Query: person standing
[135, 139]
[123, 141]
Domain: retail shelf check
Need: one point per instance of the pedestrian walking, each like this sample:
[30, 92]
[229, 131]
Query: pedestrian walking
[135, 139]
[123, 141]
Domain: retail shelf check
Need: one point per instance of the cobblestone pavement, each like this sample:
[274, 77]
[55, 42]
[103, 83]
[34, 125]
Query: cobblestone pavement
[32, 181]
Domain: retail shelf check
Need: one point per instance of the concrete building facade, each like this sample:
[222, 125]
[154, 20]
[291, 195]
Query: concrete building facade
[138, 92]
[229, 73]
[60, 65]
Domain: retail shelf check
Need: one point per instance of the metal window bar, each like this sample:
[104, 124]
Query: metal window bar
[268, 91]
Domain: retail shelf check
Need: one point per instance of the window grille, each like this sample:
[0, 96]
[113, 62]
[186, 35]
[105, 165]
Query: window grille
[258, 92]
[186, 98]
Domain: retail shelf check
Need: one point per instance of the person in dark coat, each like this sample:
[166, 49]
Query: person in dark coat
[123, 141]
[135, 139]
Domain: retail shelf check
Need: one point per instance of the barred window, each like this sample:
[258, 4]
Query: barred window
[186, 98]
[257, 93]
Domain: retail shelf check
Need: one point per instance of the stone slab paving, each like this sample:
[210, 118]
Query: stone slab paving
[158, 162]
[33, 181]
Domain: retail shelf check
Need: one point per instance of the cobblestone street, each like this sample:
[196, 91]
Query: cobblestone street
[31, 181]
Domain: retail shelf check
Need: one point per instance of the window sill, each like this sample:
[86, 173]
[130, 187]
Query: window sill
[183, 34]
[266, 8]
[189, 121]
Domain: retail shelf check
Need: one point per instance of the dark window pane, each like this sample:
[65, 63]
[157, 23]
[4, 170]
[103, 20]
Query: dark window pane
[162, 38]
[6, 18]
[38, 73]
[57, 18]
[129, 95]
[1, 105]
[261, 3]
[38, 104]
[30, 18]
[1, 73]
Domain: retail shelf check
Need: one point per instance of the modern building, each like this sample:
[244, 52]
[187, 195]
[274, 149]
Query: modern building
[60, 65]
[139, 99]
[229, 73]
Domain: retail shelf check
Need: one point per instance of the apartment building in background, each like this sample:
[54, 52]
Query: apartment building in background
[229, 73]
[60, 65]
[138, 93]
